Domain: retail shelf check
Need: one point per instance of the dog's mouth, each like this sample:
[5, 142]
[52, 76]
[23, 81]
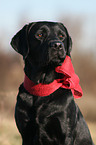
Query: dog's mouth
[56, 61]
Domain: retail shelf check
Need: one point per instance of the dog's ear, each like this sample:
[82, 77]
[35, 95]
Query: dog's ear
[20, 41]
[69, 44]
[69, 41]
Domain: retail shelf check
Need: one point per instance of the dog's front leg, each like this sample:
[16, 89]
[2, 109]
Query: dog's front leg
[24, 116]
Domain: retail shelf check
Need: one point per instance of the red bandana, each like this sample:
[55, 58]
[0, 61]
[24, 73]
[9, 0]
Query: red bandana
[69, 81]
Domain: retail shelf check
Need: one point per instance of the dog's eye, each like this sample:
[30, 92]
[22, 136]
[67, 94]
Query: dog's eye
[61, 36]
[40, 35]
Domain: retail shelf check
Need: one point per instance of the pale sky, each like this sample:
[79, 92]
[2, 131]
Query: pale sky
[12, 11]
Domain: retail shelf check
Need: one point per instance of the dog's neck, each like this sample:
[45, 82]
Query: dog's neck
[69, 81]
[40, 74]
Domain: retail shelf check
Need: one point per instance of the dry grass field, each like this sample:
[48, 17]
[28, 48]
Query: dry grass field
[8, 132]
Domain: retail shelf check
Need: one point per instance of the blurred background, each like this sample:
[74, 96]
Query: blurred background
[79, 16]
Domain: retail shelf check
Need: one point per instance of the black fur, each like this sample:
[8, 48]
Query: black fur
[54, 119]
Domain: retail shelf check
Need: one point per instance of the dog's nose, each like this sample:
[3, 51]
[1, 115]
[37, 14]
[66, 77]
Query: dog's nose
[56, 45]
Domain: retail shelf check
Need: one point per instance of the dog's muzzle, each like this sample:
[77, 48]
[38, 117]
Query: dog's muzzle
[57, 52]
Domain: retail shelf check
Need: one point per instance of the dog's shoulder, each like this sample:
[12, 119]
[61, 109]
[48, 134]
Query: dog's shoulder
[24, 98]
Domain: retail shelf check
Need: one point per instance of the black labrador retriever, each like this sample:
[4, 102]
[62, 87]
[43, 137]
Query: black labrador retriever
[54, 119]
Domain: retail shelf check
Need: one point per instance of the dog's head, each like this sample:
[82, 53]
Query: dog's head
[42, 44]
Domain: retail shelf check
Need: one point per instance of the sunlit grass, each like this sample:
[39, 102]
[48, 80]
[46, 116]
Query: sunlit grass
[9, 134]
[92, 127]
